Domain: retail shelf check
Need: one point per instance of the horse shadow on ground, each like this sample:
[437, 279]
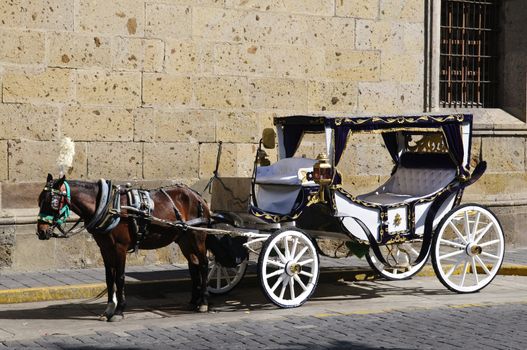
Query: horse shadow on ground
[170, 302]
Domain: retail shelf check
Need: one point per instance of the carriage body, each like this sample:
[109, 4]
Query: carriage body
[414, 214]
[397, 210]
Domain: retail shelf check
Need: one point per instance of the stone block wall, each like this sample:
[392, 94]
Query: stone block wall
[146, 89]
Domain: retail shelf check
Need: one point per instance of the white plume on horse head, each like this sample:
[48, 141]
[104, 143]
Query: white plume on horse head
[66, 154]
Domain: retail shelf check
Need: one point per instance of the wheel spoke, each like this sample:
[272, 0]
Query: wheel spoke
[483, 265]
[286, 248]
[308, 261]
[293, 249]
[407, 258]
[275, 263]
[451, 271]
[475, 270]
[275, 273]
[292, 288]
[492, 256]
[218, 278]
[467, 226]
[211, 272]
[305, 273]
[277, 283]
[449, 255]
[300, 254]
[483, 232]
[452, 244]
[280, 255]
[302, 285]
[464, 273]
[284, 286]
[413, 251]
[476, 224]
[455, 229]
[226, 275]
[490, 243]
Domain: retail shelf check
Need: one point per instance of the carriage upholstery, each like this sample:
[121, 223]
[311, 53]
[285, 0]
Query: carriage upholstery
[280, 183]
[283, 172]
[417, 176]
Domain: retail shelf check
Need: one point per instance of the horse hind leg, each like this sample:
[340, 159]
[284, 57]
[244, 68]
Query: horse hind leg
[203, 271]
[194, 277]
[203, 290]
[199, 278]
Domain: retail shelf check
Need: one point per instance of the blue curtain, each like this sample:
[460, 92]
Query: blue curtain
[292, 136]
[341, 137]
[454, 141]
[390, 140]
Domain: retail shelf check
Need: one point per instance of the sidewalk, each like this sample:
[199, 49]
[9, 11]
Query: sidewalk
[89, 283]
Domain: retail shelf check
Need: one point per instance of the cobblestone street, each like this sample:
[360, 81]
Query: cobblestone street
[415, 314]
[483, 327]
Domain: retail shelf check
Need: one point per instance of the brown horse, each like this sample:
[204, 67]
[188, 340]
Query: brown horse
[175, 203]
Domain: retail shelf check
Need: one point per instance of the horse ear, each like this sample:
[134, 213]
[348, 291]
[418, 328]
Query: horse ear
[50, 177]
[61, 181]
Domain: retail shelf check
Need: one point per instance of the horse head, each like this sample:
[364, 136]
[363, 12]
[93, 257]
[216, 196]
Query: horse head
[54, 202]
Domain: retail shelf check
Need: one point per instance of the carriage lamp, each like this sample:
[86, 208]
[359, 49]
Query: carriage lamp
[322, 174]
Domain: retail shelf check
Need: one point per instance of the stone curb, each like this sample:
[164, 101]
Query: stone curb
[97, 290]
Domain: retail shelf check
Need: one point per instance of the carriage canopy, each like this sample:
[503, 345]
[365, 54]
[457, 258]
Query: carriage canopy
[455, 128]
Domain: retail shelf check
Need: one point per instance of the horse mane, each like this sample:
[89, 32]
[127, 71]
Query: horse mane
[88, 185]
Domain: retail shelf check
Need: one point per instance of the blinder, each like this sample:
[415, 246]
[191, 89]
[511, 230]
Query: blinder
[59, 203]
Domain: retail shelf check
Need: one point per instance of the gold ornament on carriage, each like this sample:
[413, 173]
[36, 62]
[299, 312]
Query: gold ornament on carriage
[426, 143]
[322, 174]
[397, 220]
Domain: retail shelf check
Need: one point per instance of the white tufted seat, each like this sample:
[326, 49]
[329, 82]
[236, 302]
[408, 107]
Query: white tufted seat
[408, 184]
[283, 172]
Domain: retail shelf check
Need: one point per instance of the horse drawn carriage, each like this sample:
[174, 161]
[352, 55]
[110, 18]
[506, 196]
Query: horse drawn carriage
[294, 202]
[414, 214]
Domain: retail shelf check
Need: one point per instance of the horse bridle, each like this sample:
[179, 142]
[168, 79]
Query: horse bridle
[60, 204]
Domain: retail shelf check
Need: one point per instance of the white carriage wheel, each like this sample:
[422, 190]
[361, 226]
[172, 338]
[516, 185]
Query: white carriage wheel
[468, 248]
[221, 279]
[400, 257]
[288, 268]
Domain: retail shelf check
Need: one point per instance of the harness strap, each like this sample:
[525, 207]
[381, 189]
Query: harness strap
[108, 213]
[101, 205]
[69, 233]
[176, 210]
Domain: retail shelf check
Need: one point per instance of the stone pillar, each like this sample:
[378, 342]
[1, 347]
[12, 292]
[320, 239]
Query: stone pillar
[512, 88]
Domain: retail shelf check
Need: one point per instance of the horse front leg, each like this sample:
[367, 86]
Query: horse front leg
[118, 314]
[111, 305]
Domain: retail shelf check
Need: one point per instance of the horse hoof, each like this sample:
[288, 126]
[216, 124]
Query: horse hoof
[103, 317]
[203, 308]
[116, 318]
